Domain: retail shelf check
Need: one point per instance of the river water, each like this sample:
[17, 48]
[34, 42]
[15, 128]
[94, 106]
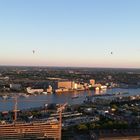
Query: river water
[40, 100]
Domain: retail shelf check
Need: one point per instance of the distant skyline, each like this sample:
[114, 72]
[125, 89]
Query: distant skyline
[81, 33]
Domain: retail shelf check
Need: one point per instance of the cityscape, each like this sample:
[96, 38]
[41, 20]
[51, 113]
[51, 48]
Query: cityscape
[109, 104]
[69, 70]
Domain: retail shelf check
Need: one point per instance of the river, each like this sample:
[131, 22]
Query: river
[40, 100]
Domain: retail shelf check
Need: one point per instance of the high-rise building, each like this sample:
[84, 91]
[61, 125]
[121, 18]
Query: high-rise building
[65, 84]
[92, 82]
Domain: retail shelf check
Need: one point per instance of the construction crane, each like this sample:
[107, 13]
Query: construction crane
[60, 110]
[15, 109]
[16, 104]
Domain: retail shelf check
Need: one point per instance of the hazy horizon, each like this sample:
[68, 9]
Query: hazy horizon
[75, 67]
[75, 33]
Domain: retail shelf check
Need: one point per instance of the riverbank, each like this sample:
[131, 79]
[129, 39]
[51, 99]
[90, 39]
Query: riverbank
[40, 100]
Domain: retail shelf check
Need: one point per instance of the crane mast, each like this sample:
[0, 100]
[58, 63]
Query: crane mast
[60, 110]
[15, 108]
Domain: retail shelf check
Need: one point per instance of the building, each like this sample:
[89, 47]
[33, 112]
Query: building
[49, 89]
[32, 91]
[75, 86]
[6, 78]
[97, 90]
[34, 130]
[80, 86]
[103, 87]
[92, 82]
[65, 84]
[16, 87]
[45, 129]
[60, 90]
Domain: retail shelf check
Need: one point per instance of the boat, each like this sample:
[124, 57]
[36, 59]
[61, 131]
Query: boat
[25, 95]
[75, 96]
[121, 93]
[45, 93]
[5, 97]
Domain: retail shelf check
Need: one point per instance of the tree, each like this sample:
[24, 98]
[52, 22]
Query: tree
[82, 127]
[114, 107]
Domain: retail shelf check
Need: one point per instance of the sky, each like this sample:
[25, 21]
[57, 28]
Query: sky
[77, 33]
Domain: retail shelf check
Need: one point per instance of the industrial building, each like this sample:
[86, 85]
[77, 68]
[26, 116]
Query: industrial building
[66, 84]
